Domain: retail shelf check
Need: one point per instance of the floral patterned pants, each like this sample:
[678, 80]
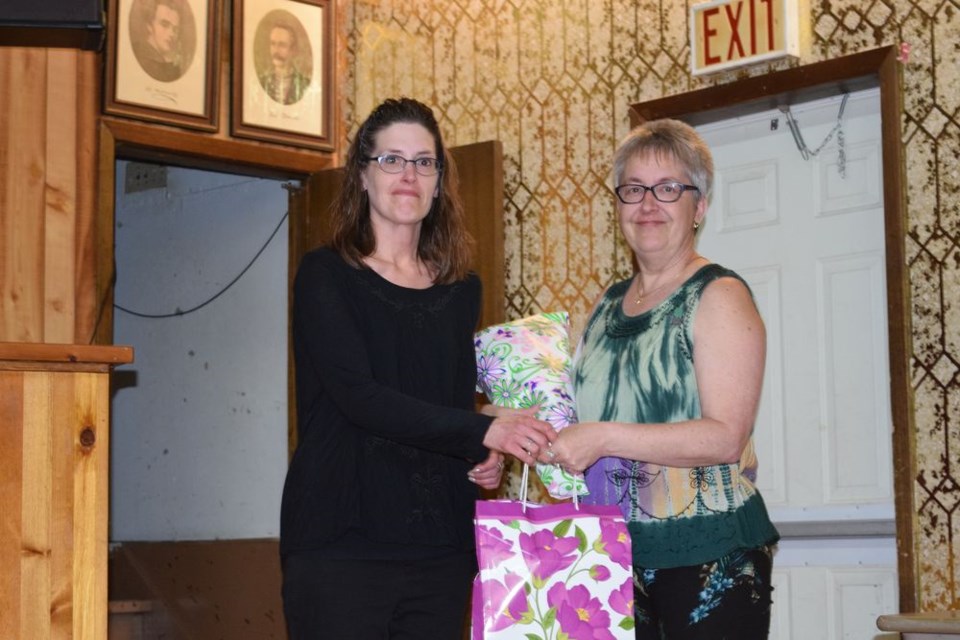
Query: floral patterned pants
[728, 598]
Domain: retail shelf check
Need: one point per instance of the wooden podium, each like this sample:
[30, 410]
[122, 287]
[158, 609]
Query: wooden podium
[54, 461]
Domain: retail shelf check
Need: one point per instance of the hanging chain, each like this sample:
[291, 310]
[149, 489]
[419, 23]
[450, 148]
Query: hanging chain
[837, 130]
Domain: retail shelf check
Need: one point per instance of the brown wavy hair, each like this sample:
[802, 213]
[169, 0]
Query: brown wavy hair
[444, 243]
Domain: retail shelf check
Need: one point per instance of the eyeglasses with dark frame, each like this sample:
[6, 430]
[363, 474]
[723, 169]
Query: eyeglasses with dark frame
[664, 192]
[393, 163]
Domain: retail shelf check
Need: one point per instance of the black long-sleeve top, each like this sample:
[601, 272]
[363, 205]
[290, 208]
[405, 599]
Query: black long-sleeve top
[387, 431]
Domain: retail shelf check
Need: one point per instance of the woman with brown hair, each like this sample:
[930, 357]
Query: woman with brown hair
[376, 531]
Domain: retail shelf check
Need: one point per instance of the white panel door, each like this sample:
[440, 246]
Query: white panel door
[808, 236]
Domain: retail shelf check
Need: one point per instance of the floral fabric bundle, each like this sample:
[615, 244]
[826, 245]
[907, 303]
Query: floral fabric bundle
[552, 571]
[526, 363]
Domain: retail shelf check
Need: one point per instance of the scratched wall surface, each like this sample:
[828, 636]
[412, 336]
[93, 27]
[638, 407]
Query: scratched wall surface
[552, 79]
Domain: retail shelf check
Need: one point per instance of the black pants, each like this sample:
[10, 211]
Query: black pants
[728, 599]
[376, 599]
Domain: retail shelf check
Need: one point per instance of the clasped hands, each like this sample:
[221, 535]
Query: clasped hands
[519, 433]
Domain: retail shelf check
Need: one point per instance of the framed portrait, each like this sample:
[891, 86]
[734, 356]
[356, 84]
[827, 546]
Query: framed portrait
[282, 67]
[162, 61]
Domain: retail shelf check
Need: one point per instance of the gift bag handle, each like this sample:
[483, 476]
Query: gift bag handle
[524, 485]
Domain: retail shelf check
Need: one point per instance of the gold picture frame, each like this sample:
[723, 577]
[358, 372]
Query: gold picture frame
[282, 70]
[163, 61]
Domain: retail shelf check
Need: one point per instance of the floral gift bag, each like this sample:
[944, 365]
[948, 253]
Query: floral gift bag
[525, 363]
[552, 572]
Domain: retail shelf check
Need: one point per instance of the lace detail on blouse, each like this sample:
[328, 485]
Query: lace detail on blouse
[419, 305]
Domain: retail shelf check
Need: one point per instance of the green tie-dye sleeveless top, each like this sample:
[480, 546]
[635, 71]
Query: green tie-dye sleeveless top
[640, 369]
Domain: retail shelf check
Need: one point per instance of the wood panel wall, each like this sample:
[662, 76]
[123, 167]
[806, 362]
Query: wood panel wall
[54, 406]
[49, 106]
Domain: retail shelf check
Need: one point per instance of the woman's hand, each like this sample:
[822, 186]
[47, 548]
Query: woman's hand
[519, 434]
[577, 447]
[489, 473]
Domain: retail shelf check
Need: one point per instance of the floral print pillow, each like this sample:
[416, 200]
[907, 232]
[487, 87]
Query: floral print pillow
[526, 363]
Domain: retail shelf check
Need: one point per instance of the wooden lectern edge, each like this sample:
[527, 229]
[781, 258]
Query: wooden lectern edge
[28, 355]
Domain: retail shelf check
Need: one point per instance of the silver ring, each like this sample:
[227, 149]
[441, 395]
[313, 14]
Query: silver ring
[551, 454]
[500, 466]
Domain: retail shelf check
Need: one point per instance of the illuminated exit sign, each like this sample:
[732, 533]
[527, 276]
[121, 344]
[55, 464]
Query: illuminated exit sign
[732, 33]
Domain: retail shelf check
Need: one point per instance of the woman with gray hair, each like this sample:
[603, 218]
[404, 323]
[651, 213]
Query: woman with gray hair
[667, 378]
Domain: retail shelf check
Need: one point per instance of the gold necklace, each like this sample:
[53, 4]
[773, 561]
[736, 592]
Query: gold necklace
[641, 294]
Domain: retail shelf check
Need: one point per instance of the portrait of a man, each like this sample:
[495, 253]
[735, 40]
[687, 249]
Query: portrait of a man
[281, 88]
[284, 71]
[157, 34]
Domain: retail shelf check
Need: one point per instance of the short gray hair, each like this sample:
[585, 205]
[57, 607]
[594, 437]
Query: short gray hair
[672, 139]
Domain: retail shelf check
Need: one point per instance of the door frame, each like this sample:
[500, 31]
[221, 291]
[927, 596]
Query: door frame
[315, 170]
[876, 68]
[128, 140]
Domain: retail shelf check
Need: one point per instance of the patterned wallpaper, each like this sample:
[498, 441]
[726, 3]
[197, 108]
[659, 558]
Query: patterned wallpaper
[552, 79]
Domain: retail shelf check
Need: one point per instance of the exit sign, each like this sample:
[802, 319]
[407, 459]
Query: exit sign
[732, 33]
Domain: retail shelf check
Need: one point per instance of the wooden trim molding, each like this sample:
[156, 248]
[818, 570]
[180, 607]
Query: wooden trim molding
[45, 356]
[168, 145]
[762, 93]
[120, 138]
[79, 353]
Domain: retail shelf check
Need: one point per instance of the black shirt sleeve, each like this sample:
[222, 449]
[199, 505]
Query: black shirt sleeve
[334, 314]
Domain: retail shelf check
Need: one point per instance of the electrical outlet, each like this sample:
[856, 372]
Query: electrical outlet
[141, 176]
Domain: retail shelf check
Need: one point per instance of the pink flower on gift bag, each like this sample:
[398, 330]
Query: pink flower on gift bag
[621, 601]
[505, 603]
[615, 542]
[493, 549]
[599, 572]
[564, 580]
[580, 616]
[546, 554]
